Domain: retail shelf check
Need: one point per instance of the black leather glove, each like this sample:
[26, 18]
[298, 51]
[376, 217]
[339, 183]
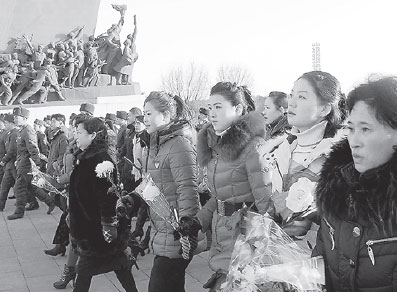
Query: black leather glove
[188, 229]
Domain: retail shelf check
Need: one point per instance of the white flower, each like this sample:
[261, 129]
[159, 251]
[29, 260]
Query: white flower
[41, 182]
[300, 195]
[104, 168]
[150, 192]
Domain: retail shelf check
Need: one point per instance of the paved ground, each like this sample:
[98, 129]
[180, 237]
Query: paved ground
[24, 266]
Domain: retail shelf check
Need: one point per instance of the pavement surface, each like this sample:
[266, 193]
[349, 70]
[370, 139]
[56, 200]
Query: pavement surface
[24, 266]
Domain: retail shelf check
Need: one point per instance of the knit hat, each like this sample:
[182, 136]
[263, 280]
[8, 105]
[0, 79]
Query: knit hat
[110, 117]
[21, 111]
[87, 107]
[122, 115]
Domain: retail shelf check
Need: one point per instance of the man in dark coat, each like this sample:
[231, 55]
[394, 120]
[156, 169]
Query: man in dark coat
[127, 150]
[26, 148]
[8, 159]
[42, 143]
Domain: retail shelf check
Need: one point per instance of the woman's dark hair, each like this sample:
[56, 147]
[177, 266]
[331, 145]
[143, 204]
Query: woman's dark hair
[328, 90]
[380, 96]
[96, 125]
[164, 102]
[280, 99]
[79, 118]
[235, 94]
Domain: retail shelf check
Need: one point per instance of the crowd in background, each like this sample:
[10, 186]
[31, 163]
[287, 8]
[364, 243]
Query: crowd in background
[311, 150]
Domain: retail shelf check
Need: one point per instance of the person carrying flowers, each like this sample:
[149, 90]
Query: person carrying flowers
[100, 238]
[230, 148]
[295, 160]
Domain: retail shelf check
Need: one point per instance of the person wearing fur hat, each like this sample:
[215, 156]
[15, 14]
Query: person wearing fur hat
[26, 149]
[9, 141]
[357, 195]
[230, 148]
[87, 108]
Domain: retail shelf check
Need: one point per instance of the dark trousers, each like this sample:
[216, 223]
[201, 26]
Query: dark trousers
[22, 187]
[7, 183]
[124, 275]
[168, 275]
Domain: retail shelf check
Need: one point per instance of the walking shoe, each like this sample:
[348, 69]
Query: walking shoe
[32, 206]
[15, 216]
[58, 249]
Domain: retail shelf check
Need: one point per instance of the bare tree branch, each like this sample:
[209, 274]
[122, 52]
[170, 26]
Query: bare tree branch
[236, 74]
[190, 82]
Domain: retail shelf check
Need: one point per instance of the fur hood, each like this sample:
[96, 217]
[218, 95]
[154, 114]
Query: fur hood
[369, 197]
[233, 142]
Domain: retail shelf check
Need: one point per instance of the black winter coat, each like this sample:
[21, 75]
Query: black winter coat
[358, 233]
[90, 204]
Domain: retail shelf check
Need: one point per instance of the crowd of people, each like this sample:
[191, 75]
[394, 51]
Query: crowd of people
[69, 63]
[315, 147]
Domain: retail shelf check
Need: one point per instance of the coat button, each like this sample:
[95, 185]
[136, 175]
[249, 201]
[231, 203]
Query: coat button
[352, 263]
[356, 231]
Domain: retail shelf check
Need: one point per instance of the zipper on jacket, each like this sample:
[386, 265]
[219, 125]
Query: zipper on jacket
[331, 233]
[213, 178]
[369, 243]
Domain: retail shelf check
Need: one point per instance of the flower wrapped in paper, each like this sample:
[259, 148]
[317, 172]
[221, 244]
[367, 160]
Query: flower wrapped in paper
[267, 259]
[44, 181]
[156, 200]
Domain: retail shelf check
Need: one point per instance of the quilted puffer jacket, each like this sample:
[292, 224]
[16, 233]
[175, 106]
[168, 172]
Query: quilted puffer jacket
[236, 173]
[171, 162]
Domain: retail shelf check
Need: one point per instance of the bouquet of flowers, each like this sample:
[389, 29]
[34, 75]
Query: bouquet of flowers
[43, 180]
[156, 200]
[267, 259]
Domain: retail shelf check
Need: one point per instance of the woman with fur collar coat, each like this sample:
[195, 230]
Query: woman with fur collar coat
[100, 238]
[357, 195]
[229, 147]
[170, 159]
[296, 159]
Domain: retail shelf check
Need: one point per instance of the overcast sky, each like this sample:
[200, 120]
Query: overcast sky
[272, 39]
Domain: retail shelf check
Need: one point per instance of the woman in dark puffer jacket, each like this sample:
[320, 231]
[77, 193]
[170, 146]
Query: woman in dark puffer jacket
[357, 195]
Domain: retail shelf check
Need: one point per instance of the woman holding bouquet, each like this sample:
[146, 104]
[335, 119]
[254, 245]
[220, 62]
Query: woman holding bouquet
[170, 159]
[357, 195]
[230, 148]
[297, 158]
[100, 239]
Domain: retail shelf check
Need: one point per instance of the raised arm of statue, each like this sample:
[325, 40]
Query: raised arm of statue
[31, 48]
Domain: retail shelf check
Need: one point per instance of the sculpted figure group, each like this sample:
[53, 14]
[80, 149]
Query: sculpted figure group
[69, 63]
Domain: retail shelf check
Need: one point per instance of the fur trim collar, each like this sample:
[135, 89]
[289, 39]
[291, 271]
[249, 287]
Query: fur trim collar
[230, 145]
[344, 193]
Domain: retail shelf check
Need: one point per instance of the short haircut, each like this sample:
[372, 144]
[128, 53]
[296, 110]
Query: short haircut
[280, 99]
[59, 117]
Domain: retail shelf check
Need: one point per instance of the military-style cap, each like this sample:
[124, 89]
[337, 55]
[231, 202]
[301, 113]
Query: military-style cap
[21, 111]
[87, 107]
[9, 118]
[39, 122]
[110, 117]
[122, 115]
